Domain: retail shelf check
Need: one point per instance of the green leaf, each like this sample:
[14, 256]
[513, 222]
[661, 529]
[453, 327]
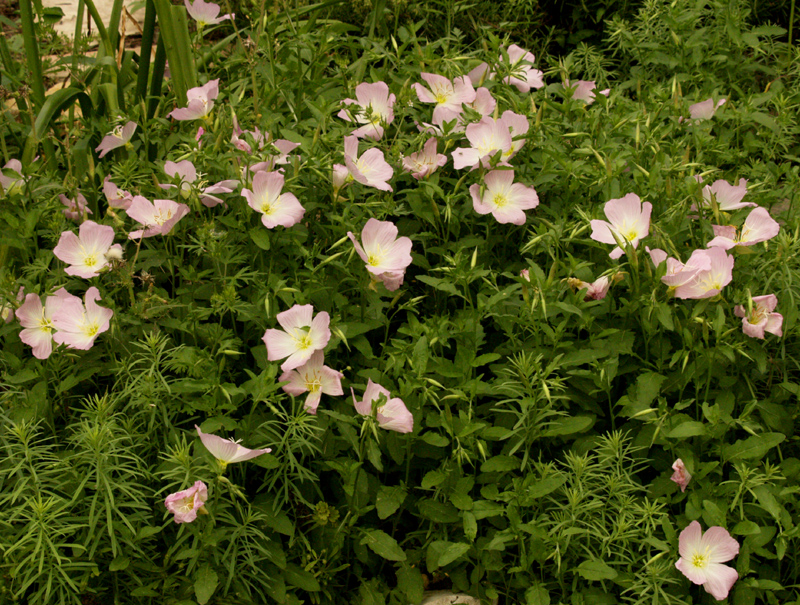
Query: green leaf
[260, 237]
[470, 526]
[389, 500]
[690, 428]
[569, 426]
[205, 584]
[435, 439]
[432, 479]
[299, 577]
[752, 447]
[440, 512]
[419, 357]
[454, 551]
[595, 570]
[501, 464]
[537, 595]
[119, 564]
[383, 545]
[409, 580]
[544, 487]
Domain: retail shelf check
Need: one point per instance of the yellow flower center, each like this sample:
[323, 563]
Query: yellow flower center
[499, 200]
[186, 504]
[162, 216]
[91, 330]
[699, 560]
[267, 208]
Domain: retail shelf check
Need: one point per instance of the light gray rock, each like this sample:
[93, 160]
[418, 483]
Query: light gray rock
[445, 597]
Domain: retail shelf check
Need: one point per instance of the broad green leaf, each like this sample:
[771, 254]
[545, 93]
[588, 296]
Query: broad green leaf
[205, 584]
[260, 237]
[537, 595]
[690, 428]
[389, 500]
[454, 551]
[409, 580]
[383, 545]
[595, 570]
[119, 564]
[752, 447]
[569, 426]
[440, 512]
[544, 487]
[432, 479]
[501, 464]
[299, 577]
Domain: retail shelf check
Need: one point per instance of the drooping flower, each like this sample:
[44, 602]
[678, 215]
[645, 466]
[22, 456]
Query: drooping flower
[119, 137]
[315, 379]
[187, 503]
[200, 102]
[628, 220]
[759, 226]
[708, 282]
[78, 324]
[524, 76]
[228, 451]
[392, 413]
[728, 197]
[702, 556]
[678, 274]
[186, 175]
[595, 290]
[761, 318]
[448, 95]
[117, 198]
[14, 181]
[242, 140]
[371, 169]
[584, 90]
[158, 216]
[276, 208]
[487, 138]
[37, 321]
[205, 13]
[372, 107]
[681, 476]
[386, 255]
[86, 253]
[704, 110]
[75, 208]
[300, 337]
[505, 199]
[424, 163]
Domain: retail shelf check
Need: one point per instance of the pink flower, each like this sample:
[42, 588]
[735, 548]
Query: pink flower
[37, 321]
[371, 169]
[678, 274]
[186, 504]
[524, 77]
[728, 197]
[7, 310]
[86, 254]
[478, 75]
[386, 255]
[681, 476]
[448, 95]
[759, 226]
[228, 451]
[706, 283]
[424, 163]
[704, 110]
[15, 180]
[487, 137]
[117, 198]
[584, 90]
[205, 13]
[761, 318]
[315, 379]
[78, 325]
[276, 208]
[75, 209]
[300, 337]
[505, 199]
[702, 556]
[596, 290]
[373, 108]
[119, 137]
[518, 126]
[200, 102]
[158, 216]
[392, 413]
[186, 175]
[629, 222]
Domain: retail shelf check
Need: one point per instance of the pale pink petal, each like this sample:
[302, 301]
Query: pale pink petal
[719, 580]
[299, 316]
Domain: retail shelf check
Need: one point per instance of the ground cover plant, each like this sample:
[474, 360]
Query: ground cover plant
[300, 314]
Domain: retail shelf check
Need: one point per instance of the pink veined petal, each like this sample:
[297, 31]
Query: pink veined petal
[221, 449]
[754, 330]
[694, 574]
[759, 226]
[392, 279]
[362, 407]
[464, 157]
[184, 169]
[523, 197]
[657, 255]
[423, 94]
[479, 74]
[623, 209]
[96, 237]
[499, 180]
[31, 312]
[601, 232]
[40, 340]
[297, 359]
[719, 545]
[95, 314]
[320, 332]
[768, 301]
[299, 316]
[359, 249]
[378, 234]
[774, 323]
[689, 540]
[297, 384]
[279, 344]
[312, 401]
[331, 381]
[394, 416]
[719, 580]
[286, 211]
[69, 249]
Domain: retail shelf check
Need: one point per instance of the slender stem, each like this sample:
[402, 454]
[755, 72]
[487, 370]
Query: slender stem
[32, 51]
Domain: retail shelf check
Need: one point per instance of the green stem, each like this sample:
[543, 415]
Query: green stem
[32, 51]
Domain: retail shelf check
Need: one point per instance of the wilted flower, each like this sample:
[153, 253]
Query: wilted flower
[13, 182]
[186, 504]
[759, 226]
[424, 163]
[200, 102]
[524, 76]
[300, 337]
[702, 556]
[276, 208]
[186, 175]
[372, 107]
[119, 137]
[392, 414]
[596, 290]
[761, 318]
[728, 197]
[386, 255]
[117, 198]
[505, 199]
[315, 379]
[704, 110]
[75, 208]
[205, 13]
[7, 310]
[628, 220]
[681, 476]
[584, 90]
[86, 253]
[158, 216]
[228, 451]
[78, 324]
[448, 95]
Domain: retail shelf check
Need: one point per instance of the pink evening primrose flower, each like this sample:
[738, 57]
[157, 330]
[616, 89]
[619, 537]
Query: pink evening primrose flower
[116, 197]
[424, 163]
[708, 282]
[596, 290]
[392, 414]
[37, 321]
[584, 90]
[759, 226]
[78, 324]
[387, 256]
[678, 274]
[761, 318]
[300, 337]
[75, 208]
[13, 182]
[704, 110]
[315, 379]
[506, 200]
[228, 451]
[728, 197]
[524, 76]
[371, 169]
[200, 102]
[205, 13]
[372, 107]
[681, 476]
[480, 74]
[119, 137]
[185, 172]
[86, 253]
[628, 220]
[702, 556]
[158, 216]
[448, 95]
[487, 137]
[187, 503]
[276, 208]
